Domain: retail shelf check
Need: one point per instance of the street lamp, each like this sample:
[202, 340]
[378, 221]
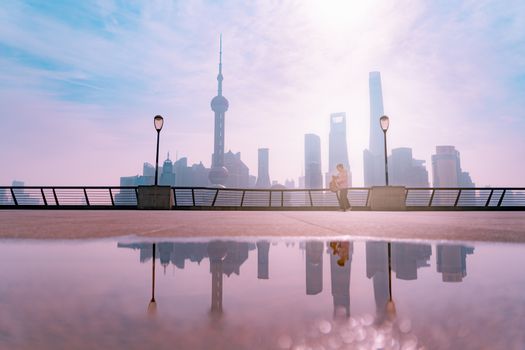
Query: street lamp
[384, 122]
[158, 121]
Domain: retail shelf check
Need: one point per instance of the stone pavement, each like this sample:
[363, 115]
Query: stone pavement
[67, 224]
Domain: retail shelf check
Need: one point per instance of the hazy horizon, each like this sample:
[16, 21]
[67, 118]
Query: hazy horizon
[81, 82]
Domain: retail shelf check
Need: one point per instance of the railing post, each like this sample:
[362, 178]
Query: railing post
[13, 195]
[270, 200]
[86, 197]
[457, 198]
[242, 197]
[432, 197]
[111, 196]
[174, 196]
[310, 195]
[490, 197]
[501, 198]
[215, 197]
[193, 196]
[56, 198]
[367, 196]
[43, 196]
[282, 198]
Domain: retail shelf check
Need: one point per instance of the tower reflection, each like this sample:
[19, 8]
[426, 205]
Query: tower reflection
[263, 249]
[314, 267]
[451, 261]
[216, 252]
[340, 268]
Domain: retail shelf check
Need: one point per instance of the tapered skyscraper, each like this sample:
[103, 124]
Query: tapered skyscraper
[337, 147]
[373, 157]
[219, 104]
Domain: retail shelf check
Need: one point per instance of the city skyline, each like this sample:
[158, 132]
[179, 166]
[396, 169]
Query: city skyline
[85, 118]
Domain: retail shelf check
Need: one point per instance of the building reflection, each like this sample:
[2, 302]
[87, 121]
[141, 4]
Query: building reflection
[407, 258]
[226, 258]
[377, 268]
[263, 250]
[340, 268]
[314, 267]
[451, 261]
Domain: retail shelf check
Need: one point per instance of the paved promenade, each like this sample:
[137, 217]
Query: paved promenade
[466, 226]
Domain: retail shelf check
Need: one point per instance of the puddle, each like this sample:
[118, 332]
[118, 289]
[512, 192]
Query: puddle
[273, 293]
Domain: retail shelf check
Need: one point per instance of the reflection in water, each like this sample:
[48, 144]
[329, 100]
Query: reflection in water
[314, 267]
[451, 261]
[407, 258]
[340, 268]
[263, 248]
[216, 252]
[152, 306]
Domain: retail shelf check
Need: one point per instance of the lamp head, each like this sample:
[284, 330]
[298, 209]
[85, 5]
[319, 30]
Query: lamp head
[158, 121]
[384, 121]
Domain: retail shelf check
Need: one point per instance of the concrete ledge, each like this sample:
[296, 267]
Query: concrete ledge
[387, 198]
[155, 197]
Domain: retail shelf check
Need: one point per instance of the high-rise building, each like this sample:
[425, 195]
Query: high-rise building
[451, 261]
[263, 174]
[337, 147]
[238, 172]
[219, 104]
[312, 161]
[167, 176]
[446, 169]
[403, 170]
[373, 157]
[289, 183]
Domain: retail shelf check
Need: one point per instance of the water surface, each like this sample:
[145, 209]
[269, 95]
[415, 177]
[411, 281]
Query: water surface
[275, 293]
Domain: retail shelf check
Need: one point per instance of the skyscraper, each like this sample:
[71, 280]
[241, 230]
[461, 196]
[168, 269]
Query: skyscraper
[312, 161]
[219, 104]
[403, 170]
[263, 174]
[373, 157]
[238, 172]
[167, 176]
[446, 169]
[337, 146]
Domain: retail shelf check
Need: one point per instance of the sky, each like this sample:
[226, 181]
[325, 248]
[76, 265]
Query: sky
[80, 83]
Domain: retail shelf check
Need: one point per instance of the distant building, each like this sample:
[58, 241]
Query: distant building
[263, 175]
[403, 170]
[301, 181]
[252, 181]
[337, 147]
[373, 157]
[289, 183]
[312, 161]
[238, 172]
[183, 173]
[451, 261]
[446, 169]
[167, 177]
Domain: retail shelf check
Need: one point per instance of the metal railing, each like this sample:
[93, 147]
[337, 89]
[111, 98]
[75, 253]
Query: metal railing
[185, 198]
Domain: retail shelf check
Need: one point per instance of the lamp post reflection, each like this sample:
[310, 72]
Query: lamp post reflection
[152, 306]
[390, 305]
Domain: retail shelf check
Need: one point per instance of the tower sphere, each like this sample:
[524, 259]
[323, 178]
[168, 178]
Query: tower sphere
[219, 104]
[218, 175]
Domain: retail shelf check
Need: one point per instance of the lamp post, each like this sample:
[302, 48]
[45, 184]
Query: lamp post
[384, 122]
[158, 121]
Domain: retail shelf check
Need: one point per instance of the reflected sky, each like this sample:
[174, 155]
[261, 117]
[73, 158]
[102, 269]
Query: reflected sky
[260, 294]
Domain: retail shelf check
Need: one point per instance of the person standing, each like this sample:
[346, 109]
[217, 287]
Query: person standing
[342, 185]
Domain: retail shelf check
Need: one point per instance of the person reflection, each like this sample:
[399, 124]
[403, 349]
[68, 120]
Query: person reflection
[340, 268]
[152, 306]
[451, 261]
[263, 248]
[216, 253]
[314, 267]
